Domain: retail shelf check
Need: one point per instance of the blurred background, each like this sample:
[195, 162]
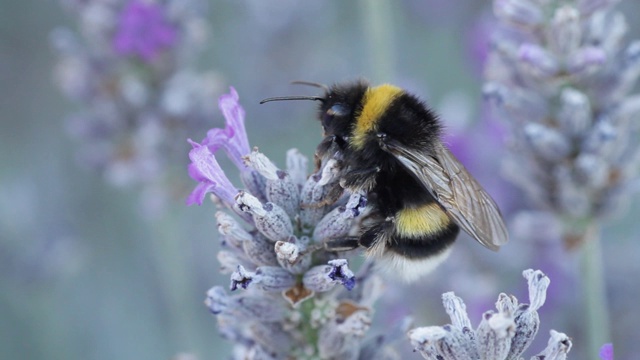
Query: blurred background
[104, 261]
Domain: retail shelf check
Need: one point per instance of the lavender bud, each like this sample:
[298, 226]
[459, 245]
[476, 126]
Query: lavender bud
[519, 12]
[557, 348]
[628, 75]
[518, 104]
[331, 342]
[256, 307]
[338, 336]
[526, 317]
[527, 324]
[445, 342]
[217, 300]
[632, 56]
[297, 166]
[260, 250]
[461, 342]
[494, 335]
[271, 336]
[564, 32]
[258, 352]
[311, 194]
[285, 193]
[570, 198]
[507, 304]
[241, 277]
[591, 170]
[495, 94]
[229, 261]
[601, 138]
[574, 115]
[607, 29]
[463, 333]
[291, 258]
[255, 183]
[324, 277]
[261, 164]
[627, 109]
[273, 278]
[288, 252]
[280, 188]
[231, 230]
[457, 310]
[538, 284]
[546, 142]
[338, 222]
[586, 60]
[538, 61]
[424, 339]
[270, 219]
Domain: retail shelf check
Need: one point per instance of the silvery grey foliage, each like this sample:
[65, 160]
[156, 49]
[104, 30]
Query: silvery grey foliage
[290, 298]
[502, 335]
[561, 73]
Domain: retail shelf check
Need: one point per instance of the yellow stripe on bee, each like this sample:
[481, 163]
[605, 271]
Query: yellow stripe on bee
[418, 222]
[374, 103]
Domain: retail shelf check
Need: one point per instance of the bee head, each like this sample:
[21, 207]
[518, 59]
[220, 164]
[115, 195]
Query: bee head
[340, 108]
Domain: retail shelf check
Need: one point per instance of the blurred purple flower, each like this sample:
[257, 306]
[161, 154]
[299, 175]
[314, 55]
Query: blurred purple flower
[606, 352]
[143, 30]
[233, 138]
[205, 169]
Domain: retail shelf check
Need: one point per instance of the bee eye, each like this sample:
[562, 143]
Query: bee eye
[338, 110]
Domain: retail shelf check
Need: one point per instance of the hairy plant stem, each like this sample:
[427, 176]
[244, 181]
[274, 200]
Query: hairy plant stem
[596, 310]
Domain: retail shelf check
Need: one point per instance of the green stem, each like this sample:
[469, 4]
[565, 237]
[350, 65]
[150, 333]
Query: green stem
[378, 28]
[597, 314]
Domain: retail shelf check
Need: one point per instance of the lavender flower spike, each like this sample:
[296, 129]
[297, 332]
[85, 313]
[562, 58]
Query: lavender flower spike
[143, 31]
[501, 335]
[130, 68]
[564, 83]
[205, 169]
[292, 306]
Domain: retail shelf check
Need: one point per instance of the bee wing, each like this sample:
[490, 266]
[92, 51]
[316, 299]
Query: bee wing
[457, 191]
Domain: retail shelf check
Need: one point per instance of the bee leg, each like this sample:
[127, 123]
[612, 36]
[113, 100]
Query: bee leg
[342, 244]
[333, 194]
[360, 179]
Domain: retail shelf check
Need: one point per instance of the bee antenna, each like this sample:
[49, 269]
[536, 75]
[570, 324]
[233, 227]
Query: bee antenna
[310, 83]
[295, 97]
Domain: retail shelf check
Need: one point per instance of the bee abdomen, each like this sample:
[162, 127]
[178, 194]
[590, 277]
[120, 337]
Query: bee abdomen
[422, 231]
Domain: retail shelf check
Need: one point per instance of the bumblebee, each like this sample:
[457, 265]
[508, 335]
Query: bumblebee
[388, 143]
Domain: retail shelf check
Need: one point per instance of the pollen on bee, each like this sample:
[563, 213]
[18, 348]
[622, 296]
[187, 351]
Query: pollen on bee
[375, 102]
[424, 220]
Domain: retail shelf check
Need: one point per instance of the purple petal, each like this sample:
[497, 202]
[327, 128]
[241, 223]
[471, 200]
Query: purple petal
[606, 352]
[217, 138]
[198, 194]
[237, 144]
[143, 30]
[205, 169]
